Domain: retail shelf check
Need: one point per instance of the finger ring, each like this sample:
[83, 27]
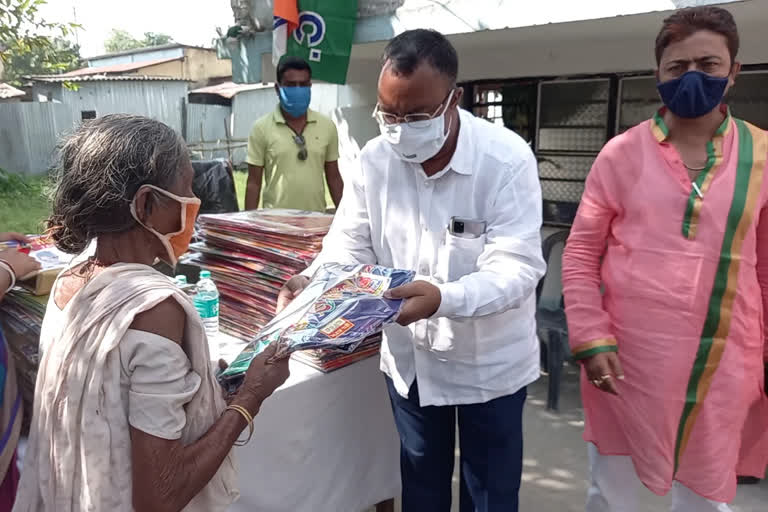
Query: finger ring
[606, 377]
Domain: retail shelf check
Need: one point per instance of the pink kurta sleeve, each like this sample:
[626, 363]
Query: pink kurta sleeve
[762, 271]
[589, 326]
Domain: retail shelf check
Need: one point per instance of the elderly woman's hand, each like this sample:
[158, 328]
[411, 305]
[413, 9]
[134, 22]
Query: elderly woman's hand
[263, 377]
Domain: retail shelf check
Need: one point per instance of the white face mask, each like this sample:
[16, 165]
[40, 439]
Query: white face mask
[418, 143]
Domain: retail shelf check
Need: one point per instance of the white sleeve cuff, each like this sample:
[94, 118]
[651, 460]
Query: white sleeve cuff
[451, 299]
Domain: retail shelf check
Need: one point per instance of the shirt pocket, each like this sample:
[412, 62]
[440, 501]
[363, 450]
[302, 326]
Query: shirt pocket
[317, 148]
[452, 339]
[457, 257]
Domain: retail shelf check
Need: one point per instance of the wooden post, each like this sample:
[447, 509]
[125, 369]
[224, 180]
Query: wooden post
[226, 132]
[183, 116]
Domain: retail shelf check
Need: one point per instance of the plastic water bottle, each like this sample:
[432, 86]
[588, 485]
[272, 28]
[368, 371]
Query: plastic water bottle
[207, 304]
[189, 289]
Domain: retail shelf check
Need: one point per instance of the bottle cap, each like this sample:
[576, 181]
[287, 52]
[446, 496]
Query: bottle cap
[205, 274]
[181, 279]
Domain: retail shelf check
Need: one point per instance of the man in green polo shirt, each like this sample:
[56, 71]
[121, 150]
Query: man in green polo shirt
[294, 150]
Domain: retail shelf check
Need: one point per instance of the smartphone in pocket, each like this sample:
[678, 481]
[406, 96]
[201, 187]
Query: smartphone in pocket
[467, 228]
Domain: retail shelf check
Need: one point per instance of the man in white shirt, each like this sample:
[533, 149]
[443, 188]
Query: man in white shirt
[457, 199]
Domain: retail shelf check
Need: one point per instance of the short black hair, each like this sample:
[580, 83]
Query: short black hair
[686, 22]
[291, 62]
[409, 49]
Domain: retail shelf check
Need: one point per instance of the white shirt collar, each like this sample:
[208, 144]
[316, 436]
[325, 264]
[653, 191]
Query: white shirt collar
[463, 158]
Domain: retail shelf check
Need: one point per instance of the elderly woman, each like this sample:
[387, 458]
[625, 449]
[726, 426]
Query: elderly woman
[127, 414]
[13, 264]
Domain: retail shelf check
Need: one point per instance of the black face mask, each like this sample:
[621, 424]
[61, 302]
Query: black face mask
[694, 94]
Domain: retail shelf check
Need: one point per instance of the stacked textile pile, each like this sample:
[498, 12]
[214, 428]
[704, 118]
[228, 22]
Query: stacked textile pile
[329, 360]
[21, 315]
[251, 255]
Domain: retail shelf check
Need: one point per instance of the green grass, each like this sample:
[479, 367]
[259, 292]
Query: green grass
[23, 204]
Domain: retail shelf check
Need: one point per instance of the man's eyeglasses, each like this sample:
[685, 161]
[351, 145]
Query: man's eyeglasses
[299, 140]
[420, 120]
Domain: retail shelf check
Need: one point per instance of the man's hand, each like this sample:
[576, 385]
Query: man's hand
[290, 291]
[603, 370]
[422, 299]
[21, 264]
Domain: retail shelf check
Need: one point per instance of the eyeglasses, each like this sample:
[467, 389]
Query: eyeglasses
[420, 120]
[299, 140]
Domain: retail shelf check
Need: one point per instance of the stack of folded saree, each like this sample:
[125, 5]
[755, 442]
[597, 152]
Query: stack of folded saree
[250, 256]
[21, 317]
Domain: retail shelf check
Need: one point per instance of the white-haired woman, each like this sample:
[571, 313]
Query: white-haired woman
[128, 415]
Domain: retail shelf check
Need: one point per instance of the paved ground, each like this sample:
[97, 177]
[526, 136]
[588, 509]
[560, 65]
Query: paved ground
[555, 474]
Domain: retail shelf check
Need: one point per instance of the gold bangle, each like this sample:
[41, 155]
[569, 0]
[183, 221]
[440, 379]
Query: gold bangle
[248, 418]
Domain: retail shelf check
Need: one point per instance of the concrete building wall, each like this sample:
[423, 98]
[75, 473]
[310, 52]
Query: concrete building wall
[202, 65]
[611, 45]
[161, 53]
[173, 69]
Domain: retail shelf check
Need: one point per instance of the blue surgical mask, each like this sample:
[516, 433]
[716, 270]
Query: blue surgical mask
[694, 94]
[295, 100]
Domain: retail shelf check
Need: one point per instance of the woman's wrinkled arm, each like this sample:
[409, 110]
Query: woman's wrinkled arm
[168, 474]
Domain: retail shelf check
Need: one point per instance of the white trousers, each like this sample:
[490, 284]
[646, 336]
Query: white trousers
[615, 487]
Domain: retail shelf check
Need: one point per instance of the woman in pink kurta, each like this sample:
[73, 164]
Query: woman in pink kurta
[684, 271]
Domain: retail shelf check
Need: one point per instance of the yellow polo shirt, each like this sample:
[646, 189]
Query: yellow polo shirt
[288, 181]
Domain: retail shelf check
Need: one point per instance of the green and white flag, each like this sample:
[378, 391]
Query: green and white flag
[324, 37]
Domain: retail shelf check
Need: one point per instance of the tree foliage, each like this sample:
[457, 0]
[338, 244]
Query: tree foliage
[156, 39]
[58, 56]
[120, 41]
[29, 44]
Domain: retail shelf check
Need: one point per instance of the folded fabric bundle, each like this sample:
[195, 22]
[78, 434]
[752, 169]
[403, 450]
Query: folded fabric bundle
[342, 306]
[251, 255]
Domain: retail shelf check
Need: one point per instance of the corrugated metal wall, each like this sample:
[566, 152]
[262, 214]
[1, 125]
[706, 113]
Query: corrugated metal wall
[249, 106]
[207, 127]
[29, 131]
[28, 135]
[161, 100]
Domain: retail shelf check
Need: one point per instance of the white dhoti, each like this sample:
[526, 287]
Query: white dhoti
[615, 487]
